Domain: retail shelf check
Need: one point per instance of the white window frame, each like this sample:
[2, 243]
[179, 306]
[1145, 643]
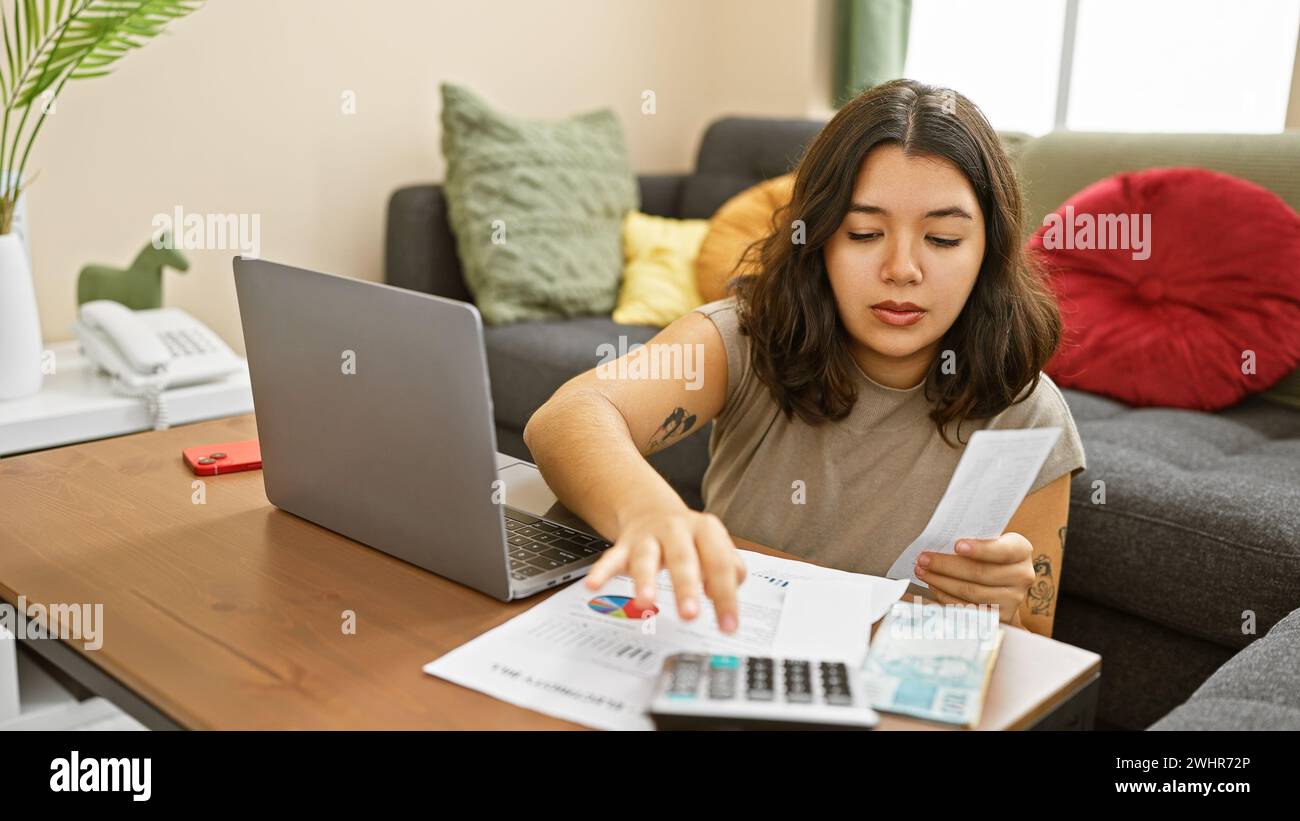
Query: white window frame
[1066, 72]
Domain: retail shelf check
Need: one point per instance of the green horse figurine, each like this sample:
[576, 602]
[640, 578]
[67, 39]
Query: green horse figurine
[138, 287]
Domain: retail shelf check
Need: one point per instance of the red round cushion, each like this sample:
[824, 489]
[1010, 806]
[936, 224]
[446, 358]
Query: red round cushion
[1180, 311]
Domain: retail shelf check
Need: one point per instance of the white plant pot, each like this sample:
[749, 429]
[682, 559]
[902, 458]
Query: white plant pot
[20, 324]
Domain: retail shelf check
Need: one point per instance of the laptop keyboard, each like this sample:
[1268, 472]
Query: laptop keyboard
[537, 545]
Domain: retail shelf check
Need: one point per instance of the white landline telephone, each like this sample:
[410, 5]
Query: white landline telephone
[147, 352]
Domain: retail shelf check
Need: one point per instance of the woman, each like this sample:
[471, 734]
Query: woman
[892, 315]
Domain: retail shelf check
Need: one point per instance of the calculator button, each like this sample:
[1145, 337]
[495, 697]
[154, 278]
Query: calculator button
[723, 672]
[798, 686]
[758, 679]
[722, 685]
[835, 683]
[684, 677]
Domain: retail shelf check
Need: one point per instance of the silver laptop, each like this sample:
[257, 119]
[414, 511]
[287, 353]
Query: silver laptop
[375, 421]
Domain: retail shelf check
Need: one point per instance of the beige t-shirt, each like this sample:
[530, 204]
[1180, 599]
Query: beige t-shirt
[870, 481]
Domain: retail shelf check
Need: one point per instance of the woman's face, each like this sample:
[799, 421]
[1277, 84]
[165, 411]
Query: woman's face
[904, 260]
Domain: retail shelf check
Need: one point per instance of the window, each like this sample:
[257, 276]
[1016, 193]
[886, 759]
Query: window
[1112, 65]
[1003, 54]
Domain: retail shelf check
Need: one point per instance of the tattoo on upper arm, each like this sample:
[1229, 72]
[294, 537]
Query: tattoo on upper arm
[1043, 593]
[678, 423]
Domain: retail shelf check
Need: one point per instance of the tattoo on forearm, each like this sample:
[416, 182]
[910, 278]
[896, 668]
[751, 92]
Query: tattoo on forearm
[1043, 593]
[678, 424]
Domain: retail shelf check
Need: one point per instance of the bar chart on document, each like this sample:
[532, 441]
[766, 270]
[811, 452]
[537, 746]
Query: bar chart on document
[606, 635]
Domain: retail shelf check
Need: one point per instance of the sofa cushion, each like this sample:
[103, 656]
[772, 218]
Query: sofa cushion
[741, 221]
[536, 207]
[1185, 518]
[1174, 323]
[1255, 690]
[1054, 166]
[659, 256]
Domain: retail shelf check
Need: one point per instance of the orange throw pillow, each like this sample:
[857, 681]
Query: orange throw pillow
[740, 221]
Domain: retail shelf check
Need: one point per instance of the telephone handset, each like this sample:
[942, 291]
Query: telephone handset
[149, 351]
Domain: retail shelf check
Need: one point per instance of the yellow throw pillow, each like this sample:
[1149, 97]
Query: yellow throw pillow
[741, 220]
[658, 269]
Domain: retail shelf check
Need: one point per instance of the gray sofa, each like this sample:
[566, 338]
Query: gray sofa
[1201, 519]
[1256, 690]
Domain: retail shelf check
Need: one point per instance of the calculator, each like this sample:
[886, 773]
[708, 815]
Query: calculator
[697, 691]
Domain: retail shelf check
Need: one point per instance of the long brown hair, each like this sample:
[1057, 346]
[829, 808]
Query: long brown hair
[1005, 333]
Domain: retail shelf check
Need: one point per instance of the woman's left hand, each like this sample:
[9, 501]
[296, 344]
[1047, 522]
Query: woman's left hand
[991, 571]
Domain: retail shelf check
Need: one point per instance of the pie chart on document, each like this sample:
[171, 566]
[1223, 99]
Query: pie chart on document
[620, 607]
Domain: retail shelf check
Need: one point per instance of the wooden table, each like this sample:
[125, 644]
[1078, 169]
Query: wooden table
[229, 614]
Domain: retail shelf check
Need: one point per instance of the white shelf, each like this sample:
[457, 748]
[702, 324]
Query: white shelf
[9, 704]
[37, 690]
[91, 714]
[76, 404]
[44, 704]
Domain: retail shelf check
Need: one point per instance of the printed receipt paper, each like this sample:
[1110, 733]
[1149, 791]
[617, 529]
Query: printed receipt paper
[991, 480]
[589, 657]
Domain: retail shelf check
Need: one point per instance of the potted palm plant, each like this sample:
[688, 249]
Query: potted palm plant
[46, 44]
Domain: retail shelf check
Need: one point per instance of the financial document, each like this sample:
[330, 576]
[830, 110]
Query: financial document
[592, 657]
[991, 480]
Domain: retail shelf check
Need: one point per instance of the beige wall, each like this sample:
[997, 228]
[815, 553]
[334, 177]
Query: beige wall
[239, 110]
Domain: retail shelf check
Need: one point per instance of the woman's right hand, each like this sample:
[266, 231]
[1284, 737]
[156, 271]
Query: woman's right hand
[696, 549]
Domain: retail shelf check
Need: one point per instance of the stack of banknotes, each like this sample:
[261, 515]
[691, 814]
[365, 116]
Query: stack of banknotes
[933, 661]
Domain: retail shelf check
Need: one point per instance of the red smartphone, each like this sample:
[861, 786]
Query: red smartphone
[227, 457]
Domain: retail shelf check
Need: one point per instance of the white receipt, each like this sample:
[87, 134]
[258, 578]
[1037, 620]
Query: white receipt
[991, 480]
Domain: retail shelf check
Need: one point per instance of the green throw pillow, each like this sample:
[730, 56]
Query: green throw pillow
[537, 208]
